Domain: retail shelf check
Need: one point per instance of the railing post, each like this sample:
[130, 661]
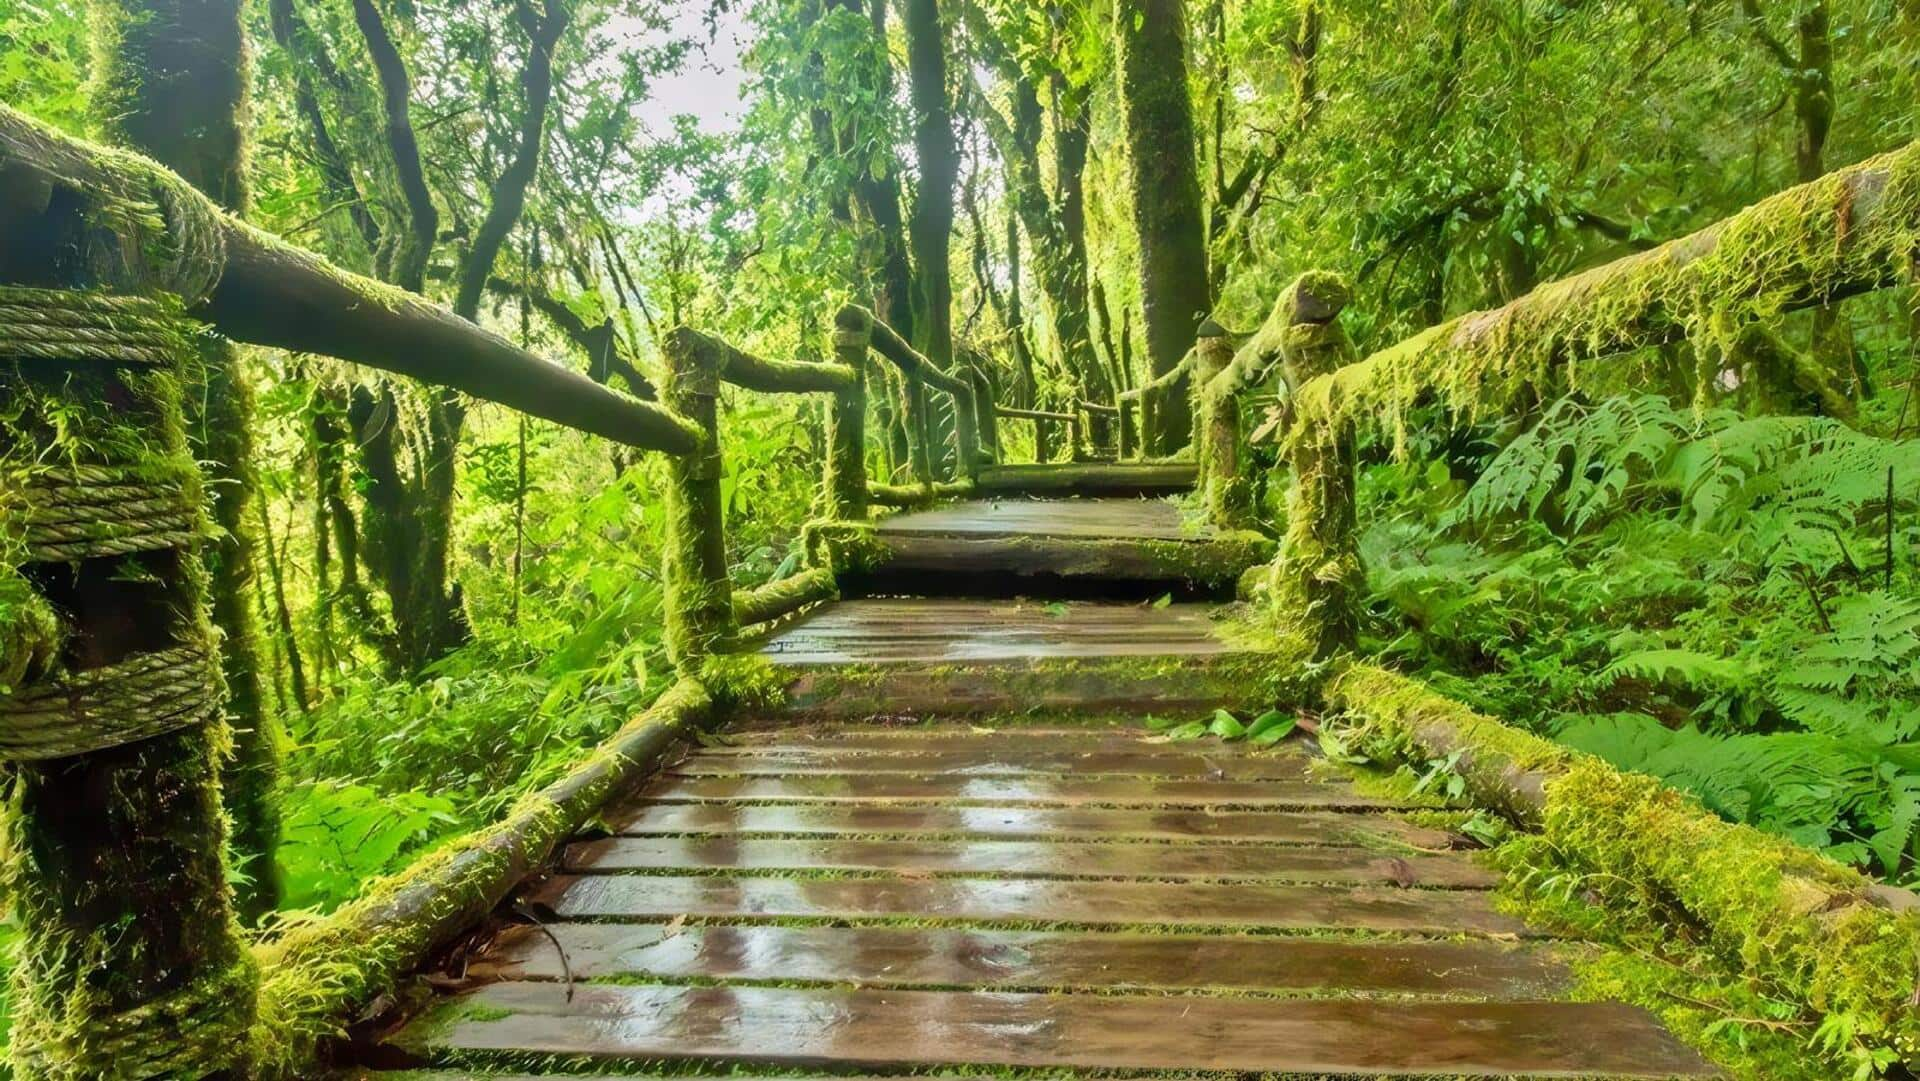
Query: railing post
[989, 412]
[1229, 493]
[846, 481]
[966, 429]
[1315, 583]
[1127, 445]
[699, 608]
[112, 716]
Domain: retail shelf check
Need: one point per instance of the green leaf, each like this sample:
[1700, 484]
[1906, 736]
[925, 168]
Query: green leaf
[1271, 727]
[1164, 600]
[1190, 730]
[1160, 724]
[1227, 726]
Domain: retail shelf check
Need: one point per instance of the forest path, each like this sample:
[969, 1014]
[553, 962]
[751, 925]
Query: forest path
[987, 888]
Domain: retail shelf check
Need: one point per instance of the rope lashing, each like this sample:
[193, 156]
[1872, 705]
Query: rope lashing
[93, 512]
[133, 497]
[146, 695]
[180, 1035]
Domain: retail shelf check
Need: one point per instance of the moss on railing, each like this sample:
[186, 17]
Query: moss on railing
[1669, 874]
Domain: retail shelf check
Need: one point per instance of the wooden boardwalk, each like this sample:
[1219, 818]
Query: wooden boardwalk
[824, 894]
[848, 897]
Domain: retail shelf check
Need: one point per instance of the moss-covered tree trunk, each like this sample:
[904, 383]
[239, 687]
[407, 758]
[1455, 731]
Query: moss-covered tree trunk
[930, 227]
[171, 82]
[1152, 40]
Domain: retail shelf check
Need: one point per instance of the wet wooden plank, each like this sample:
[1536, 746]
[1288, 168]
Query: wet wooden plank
[1036, 901]
[1130, 479]
[897, 689]
[642, 818]
[943, 631]
[1029, 960]
[877, 1029]
[778, 736]
[989, 761]
[1034, 791]
[1156, 519]
[1030, 859]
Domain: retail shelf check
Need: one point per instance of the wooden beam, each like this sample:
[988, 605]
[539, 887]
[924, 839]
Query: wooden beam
[254, 288]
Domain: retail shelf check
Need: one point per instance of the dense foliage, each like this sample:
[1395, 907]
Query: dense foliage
[1684, 573]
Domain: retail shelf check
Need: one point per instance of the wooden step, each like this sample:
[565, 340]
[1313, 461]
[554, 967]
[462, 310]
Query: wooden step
[1036, 902]
[1088, 479]
[990, 762]
[946, 631]
[1020, 960]
[1042, 791]
[889, 1029]
[1030, 859]
[643, 818]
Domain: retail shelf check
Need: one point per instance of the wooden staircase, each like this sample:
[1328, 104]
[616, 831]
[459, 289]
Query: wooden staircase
[1021, 879]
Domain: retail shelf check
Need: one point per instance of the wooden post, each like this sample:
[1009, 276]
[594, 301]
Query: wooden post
[966, 426]
[989, 411]
[113, 719]
[846, 481]
[699, 609]
[1316, 580]
[1043, 441]
[1229, 494]
[1127, 445]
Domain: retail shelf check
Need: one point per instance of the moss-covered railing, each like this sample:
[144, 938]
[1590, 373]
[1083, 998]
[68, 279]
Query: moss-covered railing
[1834, 955]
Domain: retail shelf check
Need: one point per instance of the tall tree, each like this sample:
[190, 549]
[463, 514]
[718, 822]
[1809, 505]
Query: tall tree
[930, 227]
[173, 85]
[1175, 292]
[1055, 218]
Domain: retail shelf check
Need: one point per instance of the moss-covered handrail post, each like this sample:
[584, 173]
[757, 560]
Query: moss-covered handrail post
[1315, 581]
[112, 717]
[699, 587]
[988, 411]
[1126, 405]
[1098, 418]
[1216, 425]
[846, 483]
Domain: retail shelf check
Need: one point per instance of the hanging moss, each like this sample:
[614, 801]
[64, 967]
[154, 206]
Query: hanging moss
[1853, 230]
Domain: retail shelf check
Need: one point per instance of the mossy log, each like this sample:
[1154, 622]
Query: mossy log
[915, 496]
[1818, 934]
[319, 975]
[66, 203]
[743, 369]
[1850, 232]
[785, 597]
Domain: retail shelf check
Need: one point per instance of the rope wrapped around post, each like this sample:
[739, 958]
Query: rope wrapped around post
[111, 697]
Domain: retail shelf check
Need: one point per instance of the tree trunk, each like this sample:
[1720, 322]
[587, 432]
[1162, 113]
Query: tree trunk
[173, 85]
[1174, 291]
[930, 228]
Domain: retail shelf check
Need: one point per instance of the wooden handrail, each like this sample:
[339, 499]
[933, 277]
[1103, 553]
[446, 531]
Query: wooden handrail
[743, 369]
[853, 319]
[255, 288]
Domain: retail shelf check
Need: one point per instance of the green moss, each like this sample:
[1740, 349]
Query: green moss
[1748, 909]
[320, 974]
[844, 547]
[745, 681]
[1854, 228]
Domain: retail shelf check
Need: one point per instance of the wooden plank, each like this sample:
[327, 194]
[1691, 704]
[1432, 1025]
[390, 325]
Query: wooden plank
[1210, 563]
[1021, 960]
[778, 735]
[1026, 901]
[939, 630]
[875, 1029]
[646, 819]
[1058, 479]
[991, 762]
[1030, 859]
[1172, 685]
[1156, 519]
[1034, 791]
